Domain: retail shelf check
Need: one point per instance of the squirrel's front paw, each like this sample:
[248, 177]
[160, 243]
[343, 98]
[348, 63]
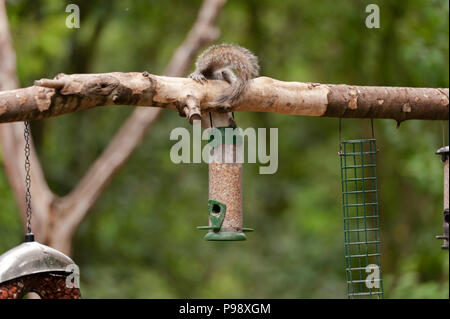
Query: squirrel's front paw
[198, 77]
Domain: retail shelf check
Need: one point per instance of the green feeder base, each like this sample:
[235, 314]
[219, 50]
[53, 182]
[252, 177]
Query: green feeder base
[225, 236]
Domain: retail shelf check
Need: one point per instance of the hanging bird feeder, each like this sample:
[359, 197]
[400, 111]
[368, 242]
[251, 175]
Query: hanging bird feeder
[444, 152]
[33, 267]
[358, 159]
[225, 188]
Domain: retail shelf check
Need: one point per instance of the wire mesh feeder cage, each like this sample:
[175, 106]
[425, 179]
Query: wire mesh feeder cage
[361, 218]
[33, 267]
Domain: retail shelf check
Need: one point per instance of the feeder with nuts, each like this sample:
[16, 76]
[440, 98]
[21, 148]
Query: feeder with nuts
[225, 182]
[33, 267]
[444, 152]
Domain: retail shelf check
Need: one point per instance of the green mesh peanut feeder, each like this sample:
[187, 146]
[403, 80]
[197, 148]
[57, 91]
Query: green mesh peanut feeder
[361, 218]
[225, 190]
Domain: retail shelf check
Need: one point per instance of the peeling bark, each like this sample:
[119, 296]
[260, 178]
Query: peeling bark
[398, 103]
[69, 93]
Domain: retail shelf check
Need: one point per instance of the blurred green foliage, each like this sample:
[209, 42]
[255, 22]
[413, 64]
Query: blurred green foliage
[140, 240]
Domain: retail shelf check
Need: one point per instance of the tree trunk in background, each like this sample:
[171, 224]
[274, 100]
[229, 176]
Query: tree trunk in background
[13, 142]
[55, 220]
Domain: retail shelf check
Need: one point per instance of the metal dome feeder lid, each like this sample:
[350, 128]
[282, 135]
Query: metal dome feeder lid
[31, 258]
[444, 152]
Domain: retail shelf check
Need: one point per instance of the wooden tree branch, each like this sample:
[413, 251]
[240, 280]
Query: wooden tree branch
[69, 93]
[75, 205]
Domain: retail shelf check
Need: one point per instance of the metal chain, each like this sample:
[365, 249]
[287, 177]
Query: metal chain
[26, 134]
[371, 124]
[340, 137]
[210, 119]
[443, 133]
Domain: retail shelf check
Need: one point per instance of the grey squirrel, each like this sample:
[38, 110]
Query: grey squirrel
[230, 63]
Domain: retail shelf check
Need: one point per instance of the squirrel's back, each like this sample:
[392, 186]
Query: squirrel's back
[229, 62]
[229, 55]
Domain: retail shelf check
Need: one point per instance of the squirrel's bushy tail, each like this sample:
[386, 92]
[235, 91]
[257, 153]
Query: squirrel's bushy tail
[234, 92]
[243, 62]
[228, 62]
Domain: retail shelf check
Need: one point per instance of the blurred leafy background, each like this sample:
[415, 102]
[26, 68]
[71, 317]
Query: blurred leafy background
[140, 240]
